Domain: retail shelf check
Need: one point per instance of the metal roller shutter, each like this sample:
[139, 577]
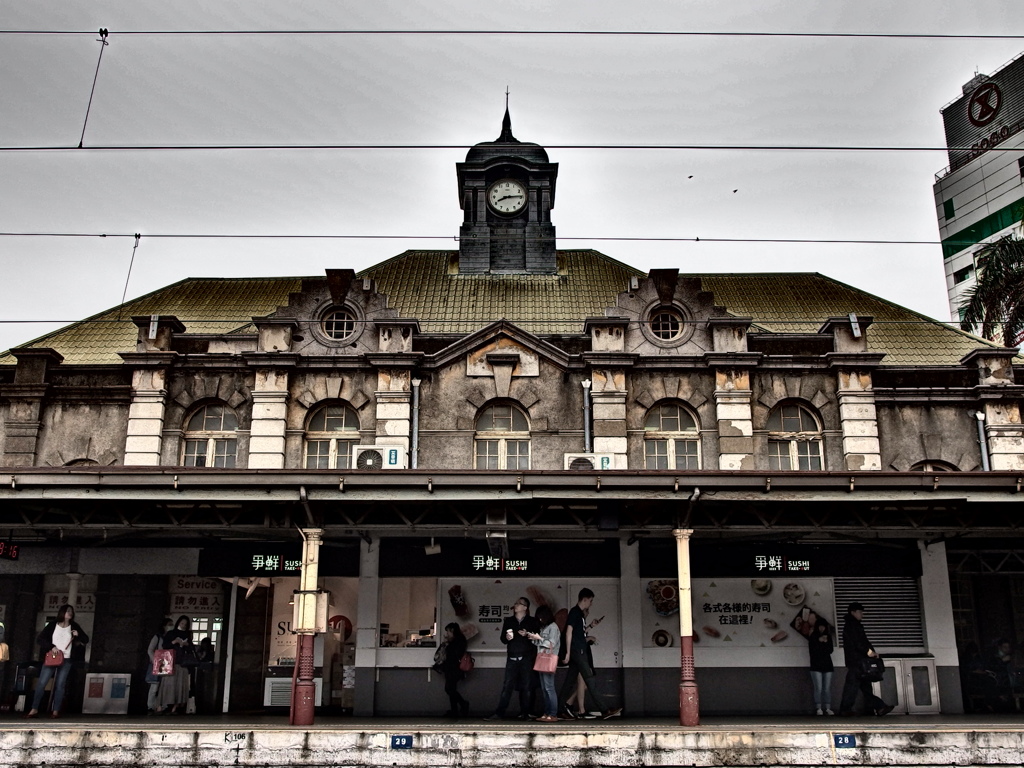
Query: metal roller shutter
[892, 610]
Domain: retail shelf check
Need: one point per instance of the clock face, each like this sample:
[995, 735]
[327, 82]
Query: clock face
[507, 196]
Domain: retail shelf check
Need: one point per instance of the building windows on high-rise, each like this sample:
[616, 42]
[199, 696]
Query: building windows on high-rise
[210, 439]
[794, 439]
[948, 210]
[963, 274]
[502, 438]
[671, 439]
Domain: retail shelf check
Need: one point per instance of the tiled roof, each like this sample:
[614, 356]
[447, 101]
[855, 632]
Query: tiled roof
[801, 302]
[425, 285]
[204, 305]
[447, 302]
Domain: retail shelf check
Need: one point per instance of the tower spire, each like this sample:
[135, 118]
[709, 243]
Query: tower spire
[506, 123]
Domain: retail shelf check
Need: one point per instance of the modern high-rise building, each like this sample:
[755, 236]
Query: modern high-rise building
[979, 197]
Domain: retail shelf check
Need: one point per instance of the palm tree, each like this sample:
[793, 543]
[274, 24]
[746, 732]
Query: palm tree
[996, 302]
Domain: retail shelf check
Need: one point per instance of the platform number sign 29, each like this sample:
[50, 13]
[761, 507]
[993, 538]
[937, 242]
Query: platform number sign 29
[844, 740]
[401, 742]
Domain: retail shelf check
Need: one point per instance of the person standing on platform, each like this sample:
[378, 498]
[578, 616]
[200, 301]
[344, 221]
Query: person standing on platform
[575, 655]
[58, 635]
[520, 655]
[548, 640]
[454, 645]
[174, 688]
[856, 650]
[154, 680]
[819, 645]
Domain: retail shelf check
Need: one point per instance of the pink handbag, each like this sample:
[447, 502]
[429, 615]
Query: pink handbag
[546, 663]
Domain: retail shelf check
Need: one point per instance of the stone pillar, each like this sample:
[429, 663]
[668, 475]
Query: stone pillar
[608, 396]
[1000, 398]
[689, 696]
[853, 364]
[151, 360]
[25, 404]
[144, 442]
[859, 419]
[394, 407]
[735, 418]
[269, 419]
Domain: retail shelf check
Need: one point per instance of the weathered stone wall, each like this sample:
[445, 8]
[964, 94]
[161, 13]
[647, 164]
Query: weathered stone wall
[910, 433]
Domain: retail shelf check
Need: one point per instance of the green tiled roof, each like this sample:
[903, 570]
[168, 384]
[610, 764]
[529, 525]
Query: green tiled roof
[447, 302]
[425, 285]
[204, 305]
[801, 302]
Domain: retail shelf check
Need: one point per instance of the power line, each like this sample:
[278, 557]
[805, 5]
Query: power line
[526, 33]
[392, 147]
[695, 239]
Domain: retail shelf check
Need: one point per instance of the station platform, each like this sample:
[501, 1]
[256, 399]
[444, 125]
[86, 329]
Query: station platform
[262, 740]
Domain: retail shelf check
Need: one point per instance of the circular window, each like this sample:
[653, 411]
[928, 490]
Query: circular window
[338, 324]
[666, 324]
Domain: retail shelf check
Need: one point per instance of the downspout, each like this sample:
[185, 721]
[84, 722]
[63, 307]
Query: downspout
[415, 448]
[586, 416]
[982, 442]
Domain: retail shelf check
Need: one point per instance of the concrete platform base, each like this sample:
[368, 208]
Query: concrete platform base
[233, 741]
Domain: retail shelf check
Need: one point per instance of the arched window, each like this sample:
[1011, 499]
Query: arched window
[933, 466]
[670, 438]
[330, 434]
[502, 438]
[210, 437]
[794, 439]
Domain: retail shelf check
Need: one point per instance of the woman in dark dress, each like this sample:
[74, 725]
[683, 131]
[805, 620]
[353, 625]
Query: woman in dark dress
[174, 688]
[455, 647]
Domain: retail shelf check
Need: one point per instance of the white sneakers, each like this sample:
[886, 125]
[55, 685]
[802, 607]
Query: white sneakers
[818, 711]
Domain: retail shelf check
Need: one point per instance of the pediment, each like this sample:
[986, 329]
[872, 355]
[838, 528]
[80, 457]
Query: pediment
[501, 344]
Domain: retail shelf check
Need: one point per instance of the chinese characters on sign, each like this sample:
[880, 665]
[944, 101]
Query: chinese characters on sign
[196, 604]
[497, 564]
[264, 563]
[493, 614]
[84, 602]
[736, 613]
[780, 564]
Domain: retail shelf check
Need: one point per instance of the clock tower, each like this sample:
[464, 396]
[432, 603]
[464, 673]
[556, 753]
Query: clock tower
[507, 191]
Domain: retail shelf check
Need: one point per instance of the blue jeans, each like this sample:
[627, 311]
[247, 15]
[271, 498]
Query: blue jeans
[547, 686]
[59, 683]
[821, 682]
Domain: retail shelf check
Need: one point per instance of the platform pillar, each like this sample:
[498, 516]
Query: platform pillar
[689, 699]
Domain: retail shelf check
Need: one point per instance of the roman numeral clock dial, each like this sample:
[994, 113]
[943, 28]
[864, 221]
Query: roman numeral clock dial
[507, 196]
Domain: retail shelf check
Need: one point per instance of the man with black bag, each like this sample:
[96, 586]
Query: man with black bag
[860, 657]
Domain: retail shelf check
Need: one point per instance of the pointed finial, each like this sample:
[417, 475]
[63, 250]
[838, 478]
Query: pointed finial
[506, 124]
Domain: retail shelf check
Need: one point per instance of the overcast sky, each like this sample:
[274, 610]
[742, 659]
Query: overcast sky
[450, 89]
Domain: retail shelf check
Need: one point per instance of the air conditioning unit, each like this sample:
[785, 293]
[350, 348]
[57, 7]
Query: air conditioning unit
[379, 457]
[586, 462]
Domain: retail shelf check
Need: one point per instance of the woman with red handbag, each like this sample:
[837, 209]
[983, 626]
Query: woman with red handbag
[174, 688]
[549, 644]
[56, 640]
[454, 647]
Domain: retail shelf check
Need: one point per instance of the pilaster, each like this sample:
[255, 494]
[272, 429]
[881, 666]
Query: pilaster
[269, 419]
[735, 418]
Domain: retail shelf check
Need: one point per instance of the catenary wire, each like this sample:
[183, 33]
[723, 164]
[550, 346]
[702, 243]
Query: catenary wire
[531, 32]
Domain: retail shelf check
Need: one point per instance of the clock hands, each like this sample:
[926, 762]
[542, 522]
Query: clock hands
[507, 197]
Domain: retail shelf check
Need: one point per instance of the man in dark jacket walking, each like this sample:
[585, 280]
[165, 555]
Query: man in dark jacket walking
[856, 649]
[521, 653]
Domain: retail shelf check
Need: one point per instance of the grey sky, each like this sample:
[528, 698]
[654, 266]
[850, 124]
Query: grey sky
[450, 90]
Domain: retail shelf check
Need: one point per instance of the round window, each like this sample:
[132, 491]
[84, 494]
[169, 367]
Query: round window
[338, 324]
[666, 324]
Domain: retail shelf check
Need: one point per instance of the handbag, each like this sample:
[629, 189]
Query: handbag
[163, 662]
[546, 663]
[466, 663]
[54, 658]
[872, 668]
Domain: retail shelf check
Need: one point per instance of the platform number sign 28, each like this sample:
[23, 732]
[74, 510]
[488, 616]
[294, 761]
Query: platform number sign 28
[401, 742]
[845, 740]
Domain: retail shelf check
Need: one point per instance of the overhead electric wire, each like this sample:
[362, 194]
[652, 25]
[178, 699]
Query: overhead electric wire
[366, 147]
[695, 239]
[530, 33]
